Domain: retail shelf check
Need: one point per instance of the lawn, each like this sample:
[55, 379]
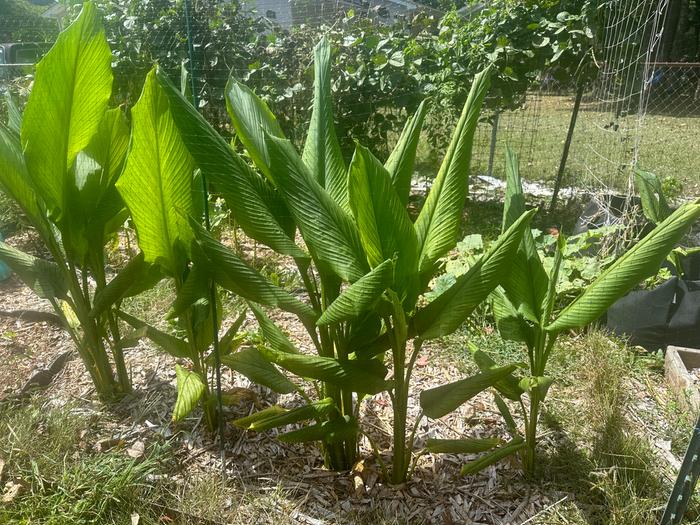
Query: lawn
[668, 145]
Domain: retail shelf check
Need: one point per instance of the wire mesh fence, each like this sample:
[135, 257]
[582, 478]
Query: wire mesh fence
[674, 89]
[631, 114]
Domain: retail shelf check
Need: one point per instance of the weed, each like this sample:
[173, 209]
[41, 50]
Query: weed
[63, 483]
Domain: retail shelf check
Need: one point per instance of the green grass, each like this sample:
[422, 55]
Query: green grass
[668, 146]
[64, 481]
[591, 448]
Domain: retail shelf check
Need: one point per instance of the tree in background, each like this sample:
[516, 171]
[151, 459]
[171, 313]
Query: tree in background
[21, 21]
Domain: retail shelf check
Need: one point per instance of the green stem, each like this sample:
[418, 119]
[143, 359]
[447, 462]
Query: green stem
[117, 351]
[400, 408]
[104, 385]
[531, 434]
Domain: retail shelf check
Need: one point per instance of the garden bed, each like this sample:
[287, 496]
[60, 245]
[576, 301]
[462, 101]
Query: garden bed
[271, 482]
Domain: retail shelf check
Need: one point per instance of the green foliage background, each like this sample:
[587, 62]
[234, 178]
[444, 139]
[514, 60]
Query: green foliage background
[381, 72]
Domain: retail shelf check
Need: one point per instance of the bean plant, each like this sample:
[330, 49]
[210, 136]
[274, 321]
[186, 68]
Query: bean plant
[60, 161]
[525, 306]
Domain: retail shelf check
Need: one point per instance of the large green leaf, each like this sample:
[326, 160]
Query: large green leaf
[96, 209]
[255, 205]
[508, 386]
[196, 288]
[190, 388]
[438, 223]
[157, 180]
[359, 296]
[526, 283]
[440, 401]
[333, 431]
[511, 324]
[251, 119]
[231, 272]
[450, 309]
[273, 334]
[365, 376]
[15, 182]
[136, 277]
[108, 148]
[641, 261]
[385, 228]
[461, 446]
[550, 298]
[172, 345]
[328, 231]
[492, 457]
[43, 277]
[72, 86]
[14, 116]
[403, 157]
[322, 153]
[255, 367]
[259, 416]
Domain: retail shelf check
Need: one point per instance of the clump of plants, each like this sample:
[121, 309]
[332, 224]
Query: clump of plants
[60, 161]
[364, 265]
[527, 311]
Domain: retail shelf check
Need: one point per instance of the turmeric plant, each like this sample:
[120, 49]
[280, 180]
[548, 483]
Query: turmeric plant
[525, 311]
[364, 263]
[60, 161]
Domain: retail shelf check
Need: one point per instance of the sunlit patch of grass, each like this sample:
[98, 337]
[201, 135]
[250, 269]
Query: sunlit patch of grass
[605, 458]
[152, 304]
[63, 480]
